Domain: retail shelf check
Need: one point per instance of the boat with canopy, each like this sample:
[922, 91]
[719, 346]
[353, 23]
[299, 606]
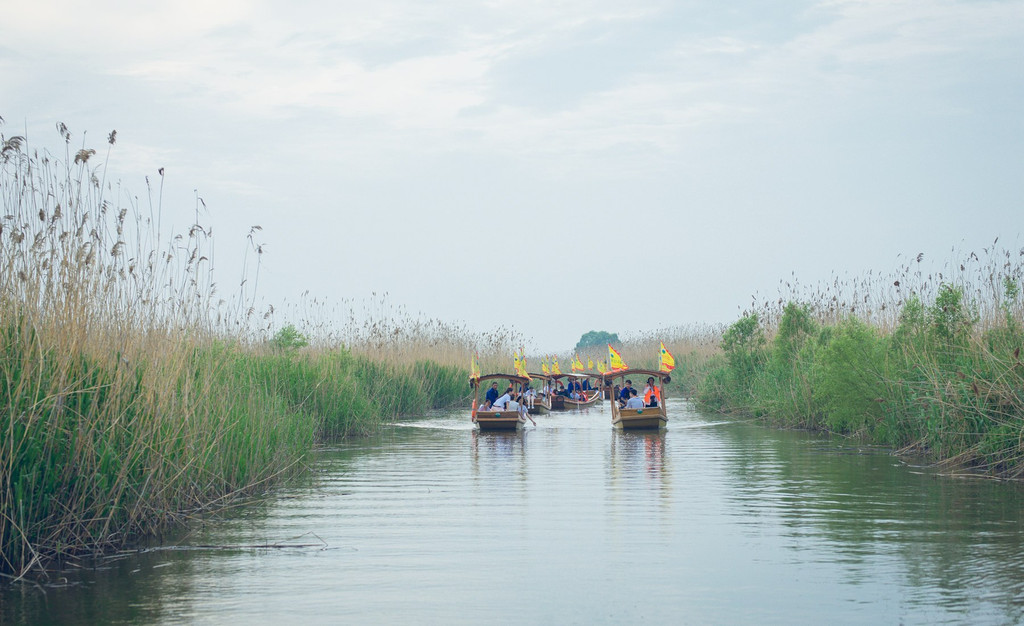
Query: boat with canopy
[648, 417]
[509, 418]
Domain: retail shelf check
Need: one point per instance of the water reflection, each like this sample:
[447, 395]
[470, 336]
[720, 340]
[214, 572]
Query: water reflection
[638, 452]
[498, 452]
[952, 543]
[434, 522]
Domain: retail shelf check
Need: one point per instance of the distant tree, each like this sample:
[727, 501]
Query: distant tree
[596, 338]
[289, 338]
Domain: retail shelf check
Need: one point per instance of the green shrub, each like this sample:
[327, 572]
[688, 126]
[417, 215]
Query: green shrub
[852, 378]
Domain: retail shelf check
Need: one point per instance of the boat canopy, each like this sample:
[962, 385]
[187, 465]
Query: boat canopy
[630, 371]
[515, 378]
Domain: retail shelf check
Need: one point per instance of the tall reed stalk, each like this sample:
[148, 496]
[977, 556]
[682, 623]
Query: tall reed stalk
[131, 394]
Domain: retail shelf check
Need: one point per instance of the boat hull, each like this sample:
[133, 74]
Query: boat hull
[640, 419]
[499, 420]
[573, 404]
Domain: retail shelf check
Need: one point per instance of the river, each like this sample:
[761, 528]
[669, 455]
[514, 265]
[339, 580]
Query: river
[712, 521]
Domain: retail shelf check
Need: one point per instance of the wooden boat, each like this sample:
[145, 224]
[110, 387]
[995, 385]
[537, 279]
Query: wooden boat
[653, 417]
[497, 420]
[542, 403]
[592, 395]
[557, 403]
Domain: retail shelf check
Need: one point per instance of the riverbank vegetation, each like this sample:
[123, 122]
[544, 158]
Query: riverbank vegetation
[928, 361]
[132, 394]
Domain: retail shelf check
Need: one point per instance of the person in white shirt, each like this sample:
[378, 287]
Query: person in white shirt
[634, 402]
[499, 404]
[529, 395]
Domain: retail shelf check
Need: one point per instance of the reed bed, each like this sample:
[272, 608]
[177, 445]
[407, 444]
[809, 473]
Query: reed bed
[133, 395]
[921, 360]
[693, 346]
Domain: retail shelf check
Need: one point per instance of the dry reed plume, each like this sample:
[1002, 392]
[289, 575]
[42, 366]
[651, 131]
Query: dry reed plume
[115, 415]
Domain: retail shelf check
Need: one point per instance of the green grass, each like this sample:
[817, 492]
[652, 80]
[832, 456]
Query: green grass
[132, 395]
[945, 378]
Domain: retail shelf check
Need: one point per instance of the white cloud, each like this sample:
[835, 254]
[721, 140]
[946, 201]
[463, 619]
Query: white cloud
[318, 112]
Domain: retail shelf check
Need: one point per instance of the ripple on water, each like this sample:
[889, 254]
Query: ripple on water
[709, 521]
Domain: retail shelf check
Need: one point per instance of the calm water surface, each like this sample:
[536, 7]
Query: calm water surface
[571, 522]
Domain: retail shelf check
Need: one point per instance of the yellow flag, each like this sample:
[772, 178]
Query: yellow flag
[590, 363]
[668, 362]
[601, 367]
[554, 367]
[474, 366]
[615, 359]
[577, 365]
[544, 365]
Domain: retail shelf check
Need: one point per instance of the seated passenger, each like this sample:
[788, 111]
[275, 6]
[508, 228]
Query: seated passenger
[634, 401]
[651, 392]
[501, 403]
[529, 395]
[624, 393]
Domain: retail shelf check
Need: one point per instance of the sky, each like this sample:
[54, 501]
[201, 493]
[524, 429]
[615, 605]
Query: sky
[550, 167]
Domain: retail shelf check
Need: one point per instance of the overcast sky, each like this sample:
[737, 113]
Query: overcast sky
[556, 167]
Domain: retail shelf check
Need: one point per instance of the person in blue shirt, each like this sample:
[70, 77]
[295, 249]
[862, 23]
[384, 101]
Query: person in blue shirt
[624, 392]
[492, 393]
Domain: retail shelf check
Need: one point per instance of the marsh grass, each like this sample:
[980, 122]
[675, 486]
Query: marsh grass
[120, 399]
[923, 360]
[133, 395]
[694, 347]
